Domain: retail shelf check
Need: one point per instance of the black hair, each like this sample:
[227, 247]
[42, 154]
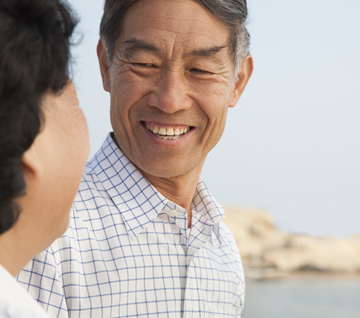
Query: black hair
[34, 59]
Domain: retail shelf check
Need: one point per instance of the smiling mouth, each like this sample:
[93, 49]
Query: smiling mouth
[167, 133]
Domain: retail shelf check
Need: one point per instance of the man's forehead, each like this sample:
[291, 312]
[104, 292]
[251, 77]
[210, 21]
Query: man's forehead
[179, 21]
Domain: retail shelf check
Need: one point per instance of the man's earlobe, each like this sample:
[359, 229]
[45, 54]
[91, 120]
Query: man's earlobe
[245, 72]
[104, 65]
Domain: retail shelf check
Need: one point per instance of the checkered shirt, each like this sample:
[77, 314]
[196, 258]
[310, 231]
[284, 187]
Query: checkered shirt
[128, 252]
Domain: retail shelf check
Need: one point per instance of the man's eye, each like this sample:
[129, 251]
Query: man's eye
[197, 70]
[146, 65]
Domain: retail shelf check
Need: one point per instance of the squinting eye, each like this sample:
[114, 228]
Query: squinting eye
[197, 70]
[144, 64]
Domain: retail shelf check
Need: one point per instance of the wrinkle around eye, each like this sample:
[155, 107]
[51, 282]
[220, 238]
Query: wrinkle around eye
[144, 65]
[200, 71]
[221, 77]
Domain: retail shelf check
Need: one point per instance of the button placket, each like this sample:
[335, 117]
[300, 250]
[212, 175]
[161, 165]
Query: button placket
[178, 216]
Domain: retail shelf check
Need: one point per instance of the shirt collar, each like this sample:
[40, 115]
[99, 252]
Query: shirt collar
[137, 200]
[208, 209]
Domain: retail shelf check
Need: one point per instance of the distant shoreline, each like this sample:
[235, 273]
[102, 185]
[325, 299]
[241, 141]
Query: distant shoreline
[324, 275]
[275, 275]
[270, 253]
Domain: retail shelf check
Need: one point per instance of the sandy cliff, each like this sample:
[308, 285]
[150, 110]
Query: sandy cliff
[269, 252]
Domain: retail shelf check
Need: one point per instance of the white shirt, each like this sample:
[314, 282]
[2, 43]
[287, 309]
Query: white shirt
[14, 301]
[127, 252]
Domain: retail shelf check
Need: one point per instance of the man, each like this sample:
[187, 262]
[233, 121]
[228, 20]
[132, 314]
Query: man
[146, 236]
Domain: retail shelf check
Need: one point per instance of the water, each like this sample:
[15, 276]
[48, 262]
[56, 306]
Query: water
[303, 297]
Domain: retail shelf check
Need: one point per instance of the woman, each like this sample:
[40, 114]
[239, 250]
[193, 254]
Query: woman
[43, 139]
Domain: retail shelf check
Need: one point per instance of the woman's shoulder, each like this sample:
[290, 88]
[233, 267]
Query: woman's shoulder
[14, 301]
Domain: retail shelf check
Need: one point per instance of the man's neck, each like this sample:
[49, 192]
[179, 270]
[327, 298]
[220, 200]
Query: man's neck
[180, 189]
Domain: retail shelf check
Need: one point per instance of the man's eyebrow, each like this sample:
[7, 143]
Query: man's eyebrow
[207, 52]
[131, 45]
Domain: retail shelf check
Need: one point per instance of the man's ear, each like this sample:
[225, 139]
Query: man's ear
[104, 66]
[245, 72]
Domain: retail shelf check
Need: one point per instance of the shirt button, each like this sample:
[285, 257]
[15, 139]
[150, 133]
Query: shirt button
[173, 213]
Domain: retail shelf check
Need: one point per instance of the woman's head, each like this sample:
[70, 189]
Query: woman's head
[44, 141]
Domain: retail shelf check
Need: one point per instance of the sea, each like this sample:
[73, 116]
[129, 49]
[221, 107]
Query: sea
[312, 296]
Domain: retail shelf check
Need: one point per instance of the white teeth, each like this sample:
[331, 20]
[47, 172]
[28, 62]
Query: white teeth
[170, 133]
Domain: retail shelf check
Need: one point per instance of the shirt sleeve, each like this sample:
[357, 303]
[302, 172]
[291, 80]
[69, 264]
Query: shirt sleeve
[239, 293]
[41, 277]
[239, 302]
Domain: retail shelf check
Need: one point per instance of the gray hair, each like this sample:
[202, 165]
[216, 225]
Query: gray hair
[232, 13]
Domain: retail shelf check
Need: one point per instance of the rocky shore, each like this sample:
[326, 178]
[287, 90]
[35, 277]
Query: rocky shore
[268, 252]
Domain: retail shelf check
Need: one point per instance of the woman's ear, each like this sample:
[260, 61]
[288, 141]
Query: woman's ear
[31, 164]
[104, 65]
[244, 75]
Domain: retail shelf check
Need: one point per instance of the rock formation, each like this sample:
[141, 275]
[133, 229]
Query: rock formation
[269, 252]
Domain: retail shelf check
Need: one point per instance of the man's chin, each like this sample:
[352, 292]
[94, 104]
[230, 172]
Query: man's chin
[164, 170]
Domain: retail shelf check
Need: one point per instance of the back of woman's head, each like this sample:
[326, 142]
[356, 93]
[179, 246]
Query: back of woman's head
[34, 59]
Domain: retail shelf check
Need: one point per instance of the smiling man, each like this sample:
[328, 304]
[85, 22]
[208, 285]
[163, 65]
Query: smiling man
[146, 237]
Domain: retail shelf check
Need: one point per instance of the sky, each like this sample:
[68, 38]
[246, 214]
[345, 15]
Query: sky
[292, 143]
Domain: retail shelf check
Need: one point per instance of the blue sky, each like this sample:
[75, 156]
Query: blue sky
[292, 144]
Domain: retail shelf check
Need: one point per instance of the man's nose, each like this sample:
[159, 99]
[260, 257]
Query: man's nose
[171, 93]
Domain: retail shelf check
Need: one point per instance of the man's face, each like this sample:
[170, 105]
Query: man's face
[171, 81]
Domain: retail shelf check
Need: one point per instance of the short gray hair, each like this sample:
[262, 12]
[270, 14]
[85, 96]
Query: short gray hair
[232, 13]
